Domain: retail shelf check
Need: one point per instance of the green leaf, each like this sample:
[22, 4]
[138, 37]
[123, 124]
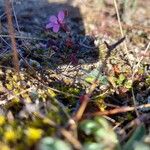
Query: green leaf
[102, 122]
[141, 146]
[88, 126]
[136, 137]
[93, 75]
[107, 136]
[105, 132]
[93, 146]
[102, 132]
[49, 143]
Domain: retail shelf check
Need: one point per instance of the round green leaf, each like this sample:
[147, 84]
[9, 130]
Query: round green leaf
[49, 143]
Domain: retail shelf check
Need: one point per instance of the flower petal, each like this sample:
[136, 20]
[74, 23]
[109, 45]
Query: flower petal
[61, 16]
[53, 19]
[49, 25]
[56, 28]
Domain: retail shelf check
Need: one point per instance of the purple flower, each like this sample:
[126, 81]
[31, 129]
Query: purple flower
[55, 22]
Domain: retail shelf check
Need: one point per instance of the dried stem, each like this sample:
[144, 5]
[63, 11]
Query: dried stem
[117, 110]
[121, 31]
[11, 32]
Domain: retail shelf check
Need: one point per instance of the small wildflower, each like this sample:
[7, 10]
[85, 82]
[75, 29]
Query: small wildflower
[51, 93]
[55, 22]
[34, 134]
[2, 120]
[10, 135]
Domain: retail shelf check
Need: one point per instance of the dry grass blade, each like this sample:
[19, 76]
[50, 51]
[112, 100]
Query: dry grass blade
[23, 37]
[138, 64]
[121, 31]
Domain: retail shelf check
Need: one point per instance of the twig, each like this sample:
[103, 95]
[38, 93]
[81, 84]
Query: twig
[23, 37]
[143, 118]
[117, 110]
[12, 35]
[82, 107]
[6, 50]
[134, 102]
[12, 6]
[70, 138]
[138, 64]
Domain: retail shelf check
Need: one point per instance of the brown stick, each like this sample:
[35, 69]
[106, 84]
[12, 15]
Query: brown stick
[11, 32]
[81, 109]
[117, 110]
